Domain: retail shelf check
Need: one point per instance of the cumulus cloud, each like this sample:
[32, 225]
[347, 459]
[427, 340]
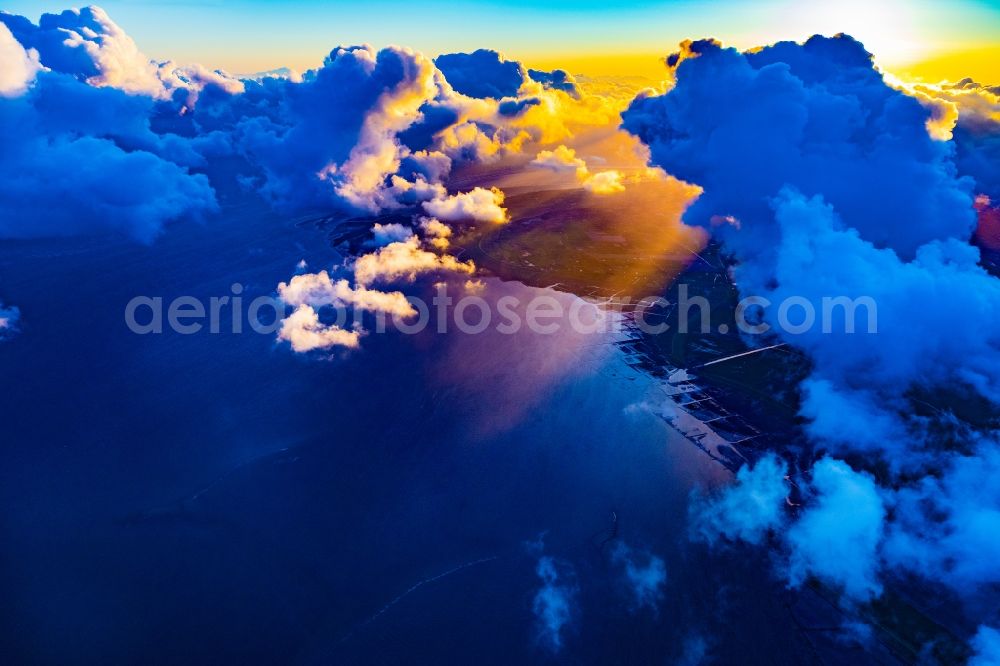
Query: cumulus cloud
[748, 509]
[189, 82]
[376, 153]
[90, 154]
[437, 232]
[318, 290]
[397, 260]
[832, 183]
[373, 130]
[858, 377]
[87, 44]
[404, 260]
[401, 255]
[17, 65]
[851, 533]
[837, 537]
[75, 122]
[947, 527]
[644, 574]
[816, 116]
[477, 205]
[333, 138]
[434, 228]
[366, 131]
[383, 234]
[309, 293]
[482, 73]
[305, 332]
[557, 79]
[833, 188]
[276, 73]
[976, 131]
[469, 141]
[488, 74]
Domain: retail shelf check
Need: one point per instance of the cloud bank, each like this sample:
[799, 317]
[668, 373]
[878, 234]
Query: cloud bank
[822, 180]
[88, 151]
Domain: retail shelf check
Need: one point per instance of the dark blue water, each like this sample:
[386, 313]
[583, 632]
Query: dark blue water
[218, 499]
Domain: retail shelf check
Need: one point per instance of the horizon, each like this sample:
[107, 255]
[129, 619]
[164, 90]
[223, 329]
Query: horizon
[915, 40]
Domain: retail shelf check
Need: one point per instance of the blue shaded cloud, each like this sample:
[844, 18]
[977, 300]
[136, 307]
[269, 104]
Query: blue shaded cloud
[366, 131]
[513, 107]
[90, 154]
[977, 133]
[817, 117]
[854, 398]
[749, 509]
[553, 604]
[87, 44]
[837, 537]
[87, 151]
[947, 526]
[986, 647]
[644, 576]
[694, 651]
[823, 181]
[9, 318]
[482, 73]
[487, 74]
[557, 79]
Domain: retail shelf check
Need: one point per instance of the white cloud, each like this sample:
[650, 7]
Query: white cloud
[305, 332]
[115, 56]
[435, 228]
[383, 234]
[318, 290]
[17, 65]
[404, 260]
[195, 78]
[436, 232]
[479, 205]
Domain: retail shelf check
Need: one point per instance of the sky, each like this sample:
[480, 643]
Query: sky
[915, 38]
